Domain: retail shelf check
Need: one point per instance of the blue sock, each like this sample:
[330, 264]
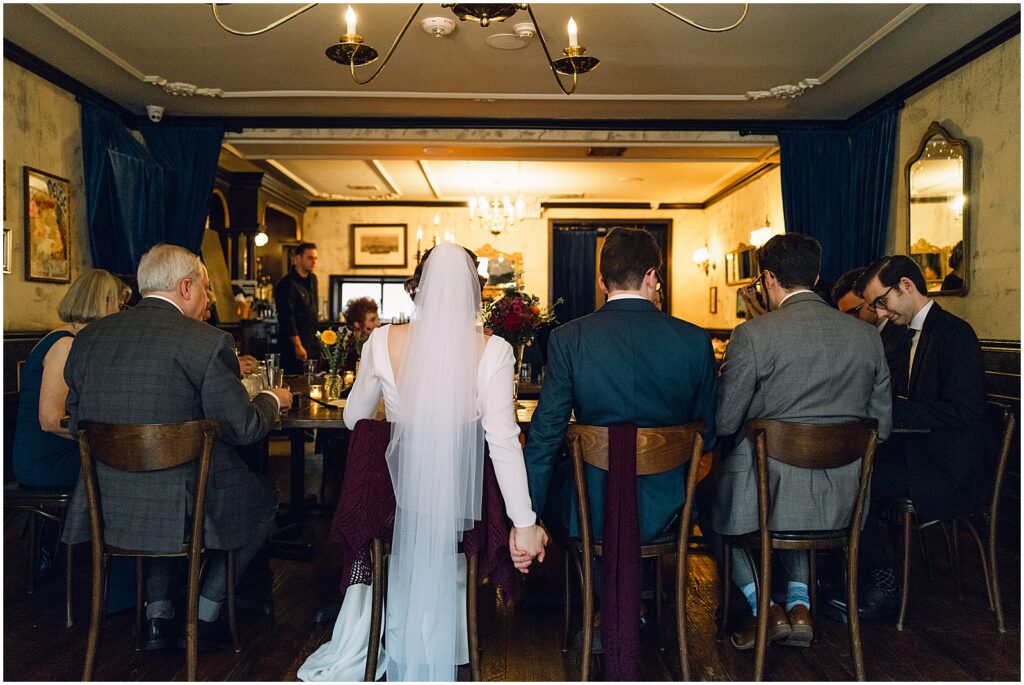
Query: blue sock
[750, 592]
[796, 593]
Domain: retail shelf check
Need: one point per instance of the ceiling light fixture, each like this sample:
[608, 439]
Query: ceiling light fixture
[496, 216]
[351, 51]
[261, 238]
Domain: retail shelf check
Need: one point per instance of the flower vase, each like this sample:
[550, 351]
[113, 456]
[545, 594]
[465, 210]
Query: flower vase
[333, 385]
[519, 350]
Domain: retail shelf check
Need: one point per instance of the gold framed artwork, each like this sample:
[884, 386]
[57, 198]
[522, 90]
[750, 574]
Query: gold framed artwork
[379, 245]
[713, 299]
[47, 227]
[7, 250]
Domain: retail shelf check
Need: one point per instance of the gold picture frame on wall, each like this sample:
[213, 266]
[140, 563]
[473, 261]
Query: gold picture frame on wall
[7, 250]
[713, 299]
[379, 245]
[47, 227]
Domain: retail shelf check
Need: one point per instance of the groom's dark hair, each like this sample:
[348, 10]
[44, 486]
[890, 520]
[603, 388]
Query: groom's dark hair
[627, 255]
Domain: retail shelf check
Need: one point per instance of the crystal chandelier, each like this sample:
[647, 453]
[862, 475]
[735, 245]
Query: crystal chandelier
[496, 216]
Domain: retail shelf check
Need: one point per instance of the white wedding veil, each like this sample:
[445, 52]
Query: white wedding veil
[436, 463]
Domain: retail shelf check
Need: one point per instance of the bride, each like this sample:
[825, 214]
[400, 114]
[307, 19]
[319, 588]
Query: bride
[446, 388]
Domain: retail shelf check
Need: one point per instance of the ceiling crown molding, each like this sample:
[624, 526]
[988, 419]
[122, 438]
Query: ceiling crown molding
[182, 88]
[785, 91]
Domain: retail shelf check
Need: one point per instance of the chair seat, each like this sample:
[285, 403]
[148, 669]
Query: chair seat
[24, 495]
[663, 544]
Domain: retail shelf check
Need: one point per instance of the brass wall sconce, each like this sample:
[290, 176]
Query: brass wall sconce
[702, 258]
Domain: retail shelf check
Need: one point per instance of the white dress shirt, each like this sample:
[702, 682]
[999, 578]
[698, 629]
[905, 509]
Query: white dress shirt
[917, 323]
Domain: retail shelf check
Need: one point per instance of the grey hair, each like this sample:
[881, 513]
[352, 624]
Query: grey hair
[163, 267]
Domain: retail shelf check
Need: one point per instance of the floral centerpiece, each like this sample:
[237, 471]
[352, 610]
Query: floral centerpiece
[516, 316]
[335, 345]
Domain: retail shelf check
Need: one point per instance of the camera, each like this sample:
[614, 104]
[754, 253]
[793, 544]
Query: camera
[155, 112]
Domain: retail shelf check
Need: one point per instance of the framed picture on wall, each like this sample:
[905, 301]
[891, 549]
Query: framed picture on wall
[379, 245]
[7, 250]
[713, 299]
[47, 227]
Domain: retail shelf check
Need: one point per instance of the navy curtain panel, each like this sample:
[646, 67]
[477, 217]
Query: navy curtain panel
[188, 156]
[574, 256]
[138, 197]
[837, 186]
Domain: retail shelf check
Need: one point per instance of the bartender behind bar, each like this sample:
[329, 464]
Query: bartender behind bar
[297, 298]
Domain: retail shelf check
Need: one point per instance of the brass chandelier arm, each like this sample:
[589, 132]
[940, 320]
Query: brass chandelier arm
[551, 64]
[391, 50]
[709, 29]
[266, 28]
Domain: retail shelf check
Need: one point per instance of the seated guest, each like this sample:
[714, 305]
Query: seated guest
[361, 315]
[625, 363]
[157, 363]
[847, 296]
[801, 362]
[939, 385]
[45, 453]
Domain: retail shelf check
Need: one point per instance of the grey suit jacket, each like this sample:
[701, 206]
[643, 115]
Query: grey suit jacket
[805, 363]
[151, 364]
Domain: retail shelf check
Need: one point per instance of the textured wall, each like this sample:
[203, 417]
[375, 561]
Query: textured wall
[979, 102]
[42, 130]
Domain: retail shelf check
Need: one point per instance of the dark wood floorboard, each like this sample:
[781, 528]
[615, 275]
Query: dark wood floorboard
[944, 640]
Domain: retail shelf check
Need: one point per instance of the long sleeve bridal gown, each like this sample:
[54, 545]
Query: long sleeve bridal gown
[344, 657]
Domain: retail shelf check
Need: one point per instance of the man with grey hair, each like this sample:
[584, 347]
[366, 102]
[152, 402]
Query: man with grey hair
[158, 363]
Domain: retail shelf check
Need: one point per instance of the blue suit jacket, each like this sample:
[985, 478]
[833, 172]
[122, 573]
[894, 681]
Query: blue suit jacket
[625, 363]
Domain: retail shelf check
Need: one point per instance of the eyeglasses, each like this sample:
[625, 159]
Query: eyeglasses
[880, 301]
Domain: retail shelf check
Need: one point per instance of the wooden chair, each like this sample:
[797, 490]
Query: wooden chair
[37, 503]
[379, 590]
[808, 446]
[141, 448]
[658, 450]
[1003, 423]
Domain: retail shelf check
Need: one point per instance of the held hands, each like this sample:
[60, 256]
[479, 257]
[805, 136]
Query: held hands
[527, 544]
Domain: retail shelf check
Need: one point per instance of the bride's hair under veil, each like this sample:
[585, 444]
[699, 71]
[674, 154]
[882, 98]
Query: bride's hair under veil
[436, 463]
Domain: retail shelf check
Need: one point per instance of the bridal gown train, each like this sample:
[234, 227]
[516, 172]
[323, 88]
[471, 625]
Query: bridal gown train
[343, 658]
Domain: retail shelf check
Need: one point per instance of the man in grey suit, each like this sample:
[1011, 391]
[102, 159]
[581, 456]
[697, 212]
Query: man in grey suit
[158, 363]
[802, 362]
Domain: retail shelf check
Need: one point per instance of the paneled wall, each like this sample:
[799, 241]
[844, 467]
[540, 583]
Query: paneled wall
[42, 130]
[979, 102]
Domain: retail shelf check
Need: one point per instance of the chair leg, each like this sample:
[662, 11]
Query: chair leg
[724, 583]
[588, 616]
[377, 611]
[139, 582]
[993, 566]
[813, 587]
[659, 600]
[192, 617]
[764, 593]
[984, 563]
[956, 561]
[682, 564]
[567, 604]
[472, 569]
[95, 615]
[34, 539]
[232, 620]
[69, 565]
[854, 617]
[908, 527]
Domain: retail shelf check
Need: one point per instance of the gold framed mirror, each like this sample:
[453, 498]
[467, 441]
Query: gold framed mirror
[938, 190]
[501, 269]
[741, 265]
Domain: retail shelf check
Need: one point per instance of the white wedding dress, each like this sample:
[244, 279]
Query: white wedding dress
[344, 657]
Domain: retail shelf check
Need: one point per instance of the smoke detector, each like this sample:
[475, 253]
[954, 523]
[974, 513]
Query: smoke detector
[524, 31]
[438, 27]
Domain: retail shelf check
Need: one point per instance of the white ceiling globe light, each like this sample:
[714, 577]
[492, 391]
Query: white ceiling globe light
[261, 239]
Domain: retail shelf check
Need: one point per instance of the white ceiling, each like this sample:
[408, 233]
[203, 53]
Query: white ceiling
[838, 57]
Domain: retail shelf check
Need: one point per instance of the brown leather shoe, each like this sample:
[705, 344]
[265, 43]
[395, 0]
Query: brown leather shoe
[778, 629]
[801, 631]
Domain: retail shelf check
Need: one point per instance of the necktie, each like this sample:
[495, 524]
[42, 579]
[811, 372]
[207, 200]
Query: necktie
[901, 375]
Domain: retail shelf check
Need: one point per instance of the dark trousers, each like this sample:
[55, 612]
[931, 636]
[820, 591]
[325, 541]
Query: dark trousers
[888, 480]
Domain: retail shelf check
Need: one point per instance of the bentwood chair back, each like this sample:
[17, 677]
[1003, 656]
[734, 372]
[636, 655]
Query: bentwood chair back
[806, 446]
[657, 450]
[142, 448]
[1003, 424]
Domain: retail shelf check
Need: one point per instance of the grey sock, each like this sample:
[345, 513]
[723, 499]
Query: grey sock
[209, 610]
[163, 608]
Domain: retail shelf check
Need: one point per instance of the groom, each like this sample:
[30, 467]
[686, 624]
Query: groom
[628, 362]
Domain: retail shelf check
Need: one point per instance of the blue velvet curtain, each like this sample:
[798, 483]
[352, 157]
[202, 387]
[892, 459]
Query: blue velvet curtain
[837, 186]
[574, 256]
[188, 156]
[138, 197]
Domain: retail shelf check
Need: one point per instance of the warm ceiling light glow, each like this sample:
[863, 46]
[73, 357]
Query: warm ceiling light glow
[261, 239]
[701, 255]
[761, 236]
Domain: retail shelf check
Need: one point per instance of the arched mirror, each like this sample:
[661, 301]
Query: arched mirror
[741, 265]
[938, 188]
[501, 269]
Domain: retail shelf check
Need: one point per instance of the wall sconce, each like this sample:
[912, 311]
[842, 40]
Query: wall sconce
[760, 236]
[261, 238]
[702, 258]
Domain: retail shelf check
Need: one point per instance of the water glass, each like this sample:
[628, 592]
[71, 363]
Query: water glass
[275, 377]
[254, 383]
[273, 360]
[524, 373]
[311, 368]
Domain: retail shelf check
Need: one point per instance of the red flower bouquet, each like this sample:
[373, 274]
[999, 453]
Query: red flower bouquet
[516, 316]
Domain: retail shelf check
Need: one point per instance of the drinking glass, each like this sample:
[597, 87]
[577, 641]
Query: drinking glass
[311, 367]
[524, 373]
[273, 359]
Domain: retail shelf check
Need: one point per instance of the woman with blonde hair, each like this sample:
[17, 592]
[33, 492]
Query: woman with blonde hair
[45, 454]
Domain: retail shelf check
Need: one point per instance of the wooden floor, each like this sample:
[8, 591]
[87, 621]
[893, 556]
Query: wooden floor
[944, 639]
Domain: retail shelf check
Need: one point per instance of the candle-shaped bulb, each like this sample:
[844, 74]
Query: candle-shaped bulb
[437, 218]
[350, 21]
[419, 233]
[573, 33]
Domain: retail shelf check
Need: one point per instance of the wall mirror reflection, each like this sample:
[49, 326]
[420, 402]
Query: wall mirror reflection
[501, 269]
[938, 183]
[741, 265]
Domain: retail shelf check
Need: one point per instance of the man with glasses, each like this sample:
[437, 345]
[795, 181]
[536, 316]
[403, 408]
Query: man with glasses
[802, 362]
[848, 300]
[939, 387]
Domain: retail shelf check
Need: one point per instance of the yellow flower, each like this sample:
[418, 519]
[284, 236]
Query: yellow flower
[328, 337]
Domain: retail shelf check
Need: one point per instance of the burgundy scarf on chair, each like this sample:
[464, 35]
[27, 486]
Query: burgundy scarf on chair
[621, 573]
[366, 510]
